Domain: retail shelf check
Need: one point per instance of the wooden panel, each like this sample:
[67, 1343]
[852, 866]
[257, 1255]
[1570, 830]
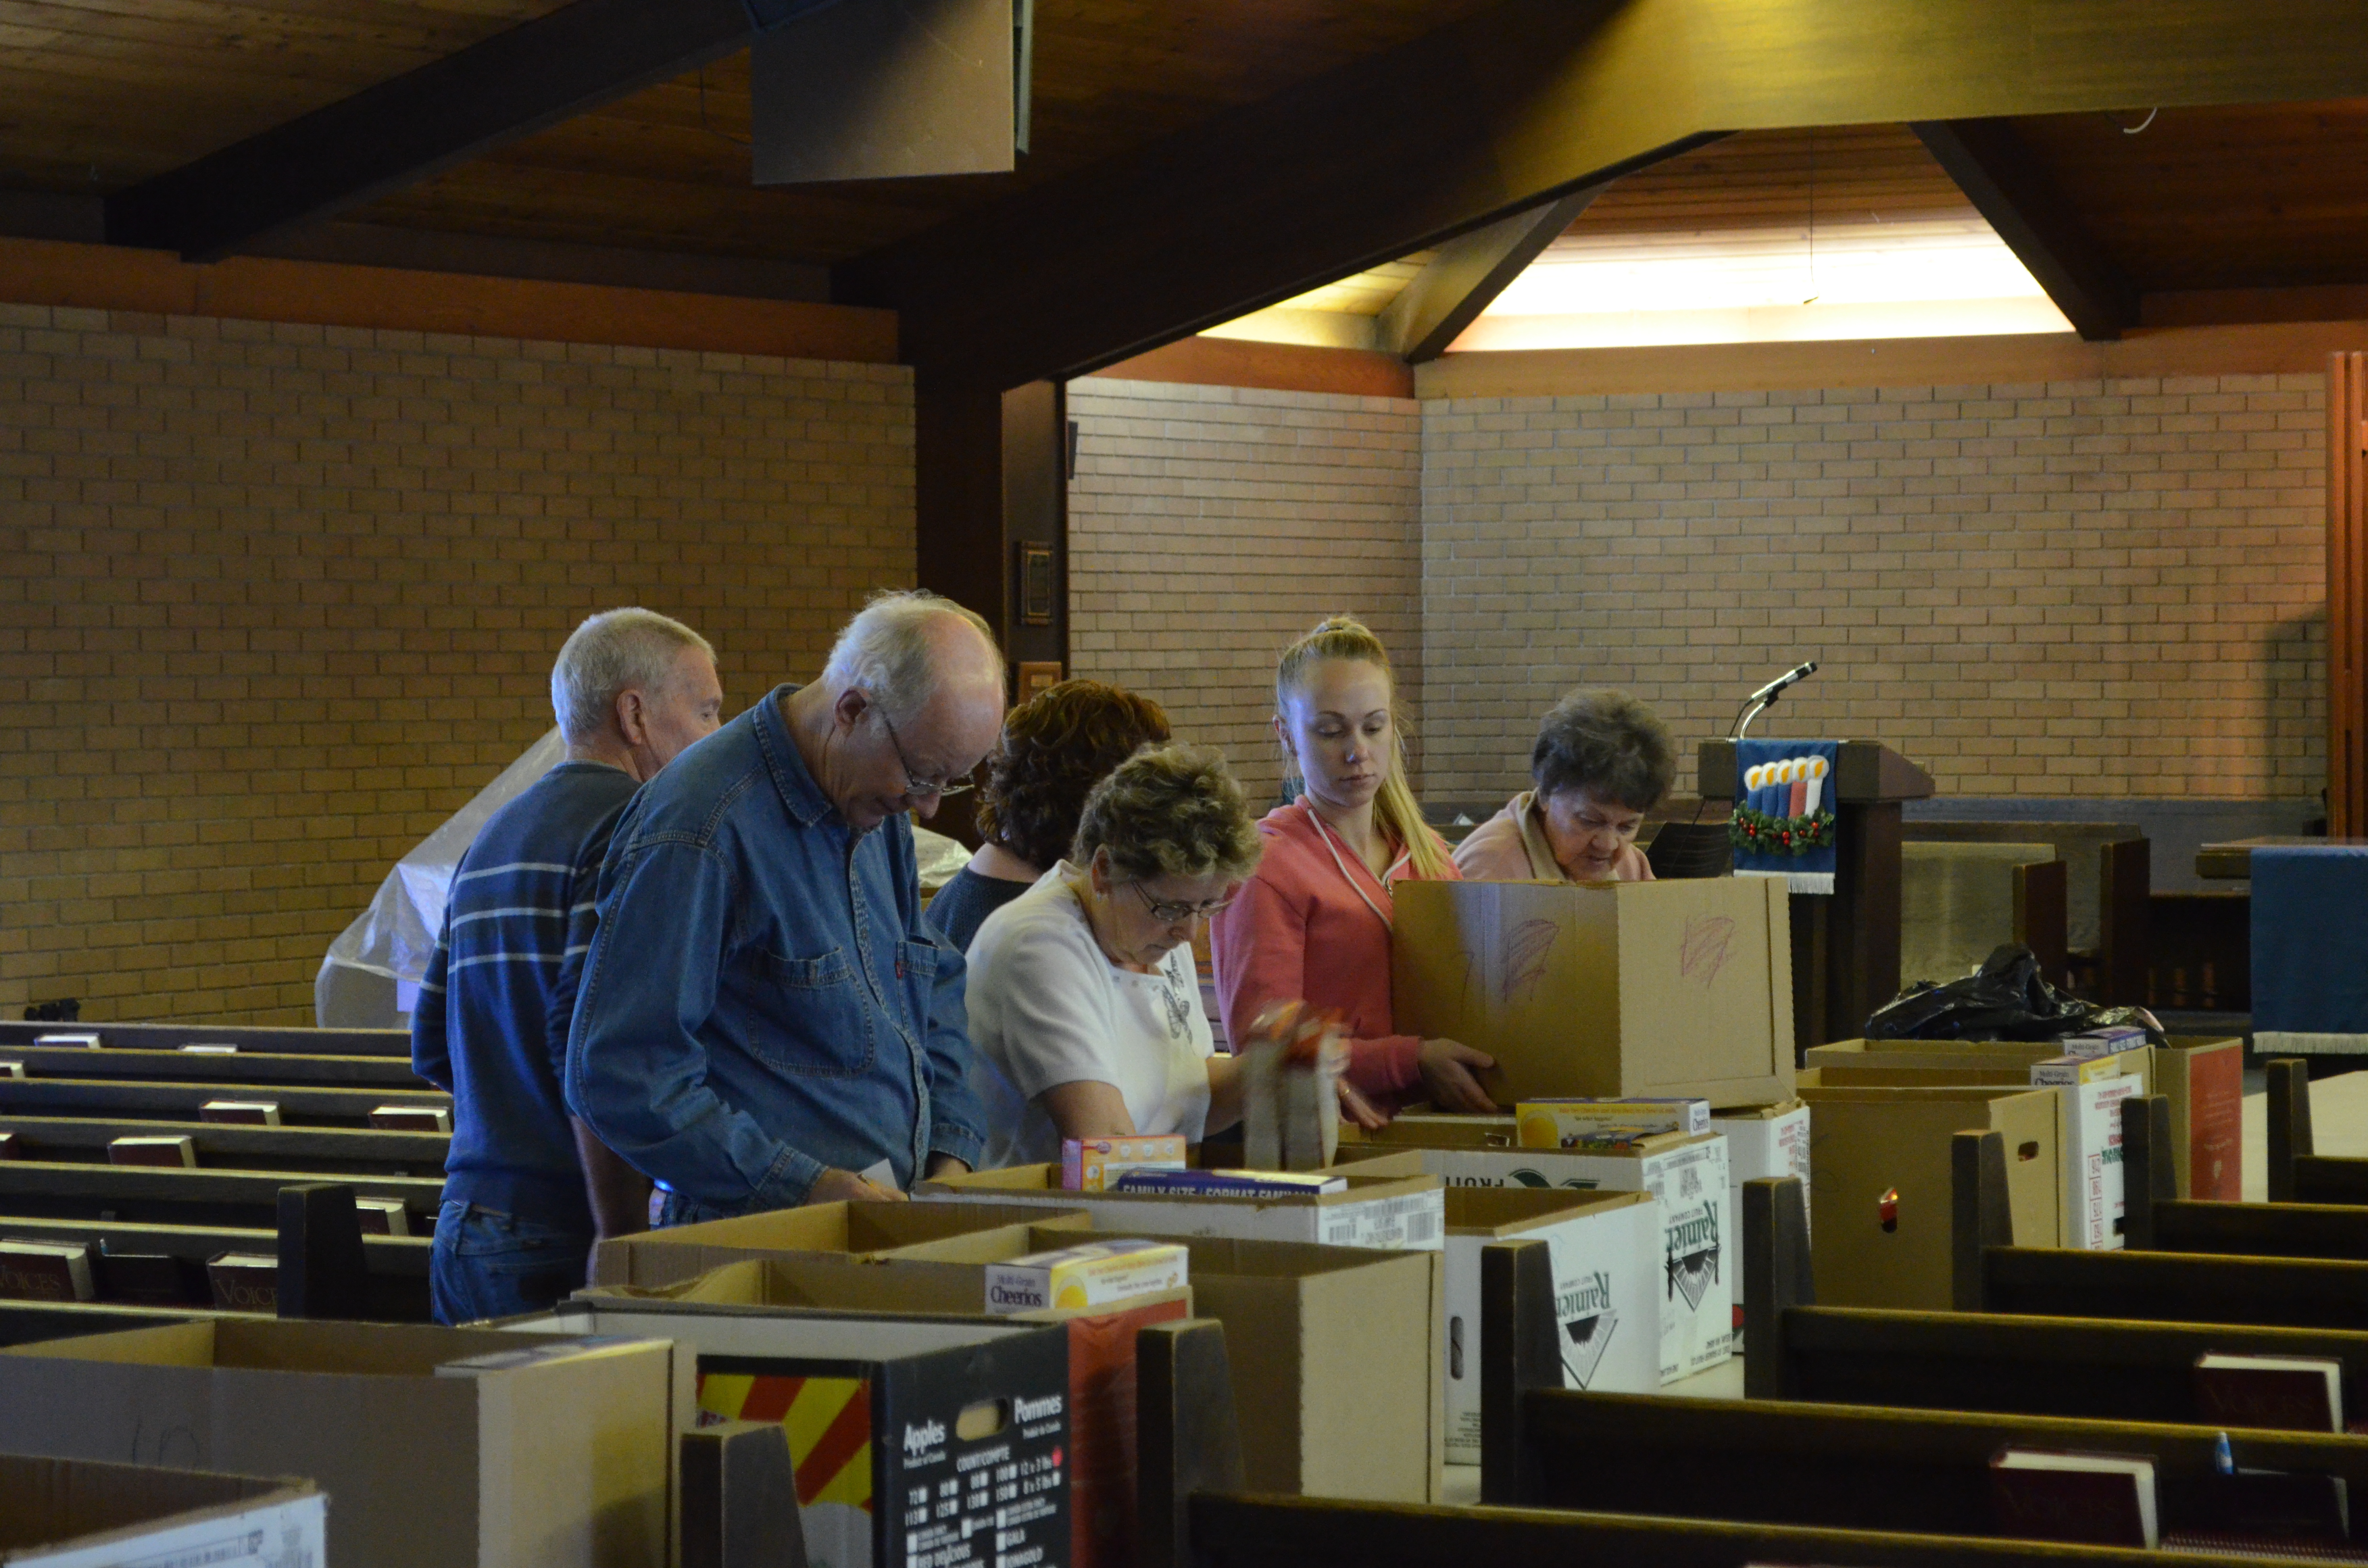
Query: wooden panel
[2249, 195]
[1780, 180]
[2347, 595]
[1279, 366]
[2278, 349]
[45, 272]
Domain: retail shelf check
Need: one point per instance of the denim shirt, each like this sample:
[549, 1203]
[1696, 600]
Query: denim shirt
[763, 998]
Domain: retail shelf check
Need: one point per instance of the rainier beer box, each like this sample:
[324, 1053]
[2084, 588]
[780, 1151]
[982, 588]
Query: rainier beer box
[1686, 1177]
[1761, 1142]
[1606, 1280]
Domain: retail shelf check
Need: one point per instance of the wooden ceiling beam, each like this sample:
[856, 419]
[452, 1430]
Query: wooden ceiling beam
[571, 60]
[1466, 274]
[1997, 172]
[1515, 105]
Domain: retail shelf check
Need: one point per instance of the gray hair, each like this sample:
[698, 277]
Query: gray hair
[1608, 745]
[1175, 810]
[611, 653]
[885, 649]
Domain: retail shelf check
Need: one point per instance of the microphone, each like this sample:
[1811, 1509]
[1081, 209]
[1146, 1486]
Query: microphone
[1774, 688]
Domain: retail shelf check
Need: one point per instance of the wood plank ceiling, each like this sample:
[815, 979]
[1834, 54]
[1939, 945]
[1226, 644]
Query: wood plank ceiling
[2202, 211]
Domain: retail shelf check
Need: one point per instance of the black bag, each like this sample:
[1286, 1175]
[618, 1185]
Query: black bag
[2007, 999]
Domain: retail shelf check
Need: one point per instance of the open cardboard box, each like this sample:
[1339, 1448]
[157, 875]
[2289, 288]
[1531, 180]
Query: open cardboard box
[1338, 1362]
[852, 1229]
[2202, 1076]
[1608, 1280]
[83, 1514]
[1881, 1185]
[441, 1448]
[1397, 1210]
[1685, 1176]
[912, 1435]
[1680, 987]
[1102, 1367]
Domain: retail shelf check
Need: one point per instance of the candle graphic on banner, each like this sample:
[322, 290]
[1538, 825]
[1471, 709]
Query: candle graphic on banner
[1783, 823]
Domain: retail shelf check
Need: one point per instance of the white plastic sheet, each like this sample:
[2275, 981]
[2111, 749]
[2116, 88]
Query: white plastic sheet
[374, 968]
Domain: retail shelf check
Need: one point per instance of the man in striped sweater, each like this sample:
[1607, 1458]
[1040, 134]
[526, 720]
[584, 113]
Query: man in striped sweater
[528, 1190]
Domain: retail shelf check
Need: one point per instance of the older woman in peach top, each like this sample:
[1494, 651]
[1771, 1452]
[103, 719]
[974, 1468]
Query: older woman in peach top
[1601, 761]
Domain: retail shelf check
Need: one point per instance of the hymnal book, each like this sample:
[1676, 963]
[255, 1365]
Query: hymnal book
[2054, 1494]
[242, 1113]
[1233, 1184]
[245, 1281]
[7, 1145]
[12, 1069]
[2286, 1393]
[148, 1278]
[210, 1050]
[46, 1271]
[411, 1119]
[382, 1216]
[79, 1041]
[179, 1152]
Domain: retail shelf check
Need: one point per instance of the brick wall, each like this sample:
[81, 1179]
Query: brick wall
[1210, 525]
[2089, 588]
[277, 599]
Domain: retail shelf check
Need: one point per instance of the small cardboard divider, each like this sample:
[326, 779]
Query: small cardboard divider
[1380, 1211]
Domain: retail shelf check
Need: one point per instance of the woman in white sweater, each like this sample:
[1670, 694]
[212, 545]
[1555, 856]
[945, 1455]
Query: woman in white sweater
[1084, 1008]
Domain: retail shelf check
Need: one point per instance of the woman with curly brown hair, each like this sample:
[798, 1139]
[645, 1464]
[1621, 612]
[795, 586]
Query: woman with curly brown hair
[1054, 748]
[1084, 1009]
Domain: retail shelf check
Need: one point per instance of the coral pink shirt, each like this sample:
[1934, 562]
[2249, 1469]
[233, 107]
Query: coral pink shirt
[1311, 928]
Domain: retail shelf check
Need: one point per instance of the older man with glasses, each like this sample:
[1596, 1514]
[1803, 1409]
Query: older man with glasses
[766, 1018]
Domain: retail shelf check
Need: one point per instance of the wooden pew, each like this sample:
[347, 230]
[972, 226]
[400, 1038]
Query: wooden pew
[315, 1150]
[152, 1195]
[1990, 1276]
[2108, 894]
[1831, 1466]
[248, 1069]
[246, 1037]
[29, 1323]
[1195, 1506]
[2155, 1219]
[2037, 1366]
[2297, 1174]
[300, 1105]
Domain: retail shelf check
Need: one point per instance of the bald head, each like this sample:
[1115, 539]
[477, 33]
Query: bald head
[910, 701]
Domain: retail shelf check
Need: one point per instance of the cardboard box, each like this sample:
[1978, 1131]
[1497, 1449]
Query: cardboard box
[973, 1233]
[1673, 988]
[1375, 1211]
[2089, 1118]
[916, 1440]
[443, 1448]
[1881, 1185]
[1101, 1354]
[83, 1514]
[1338, 1362]
[1686, 1177]
[2201, 1076]
[1608, 1277]
[1761, 1142]
[1565, 1123]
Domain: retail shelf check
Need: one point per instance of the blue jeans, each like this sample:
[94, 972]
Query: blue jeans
[486, 1264]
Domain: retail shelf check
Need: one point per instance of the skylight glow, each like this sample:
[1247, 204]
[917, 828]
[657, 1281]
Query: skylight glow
[1935, 275]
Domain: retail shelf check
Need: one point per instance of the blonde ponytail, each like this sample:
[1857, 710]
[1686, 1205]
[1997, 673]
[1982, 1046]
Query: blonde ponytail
[1395, 810]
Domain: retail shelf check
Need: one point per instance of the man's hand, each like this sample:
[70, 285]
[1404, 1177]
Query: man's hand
[1356, 1108]
[946, 1164]
[834, 1186]
[1447, 1066]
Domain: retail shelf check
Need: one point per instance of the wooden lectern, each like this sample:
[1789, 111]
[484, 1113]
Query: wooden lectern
[1844, 947]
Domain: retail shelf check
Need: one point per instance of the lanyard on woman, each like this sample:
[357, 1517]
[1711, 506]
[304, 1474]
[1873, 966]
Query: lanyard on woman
[1325, 831]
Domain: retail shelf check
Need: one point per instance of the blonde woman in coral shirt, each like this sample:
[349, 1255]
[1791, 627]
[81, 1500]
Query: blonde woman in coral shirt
[1313, 924]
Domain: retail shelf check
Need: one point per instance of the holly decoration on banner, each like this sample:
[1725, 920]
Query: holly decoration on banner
[1756, 832]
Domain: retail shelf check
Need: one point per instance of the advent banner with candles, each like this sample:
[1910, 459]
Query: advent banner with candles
[1784, 824]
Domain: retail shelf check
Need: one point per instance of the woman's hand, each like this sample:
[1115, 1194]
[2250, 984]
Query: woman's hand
[1356, 1108]
[1447, 1067]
